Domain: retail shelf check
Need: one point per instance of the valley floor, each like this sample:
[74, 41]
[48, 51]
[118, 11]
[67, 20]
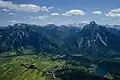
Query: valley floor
[42, 67]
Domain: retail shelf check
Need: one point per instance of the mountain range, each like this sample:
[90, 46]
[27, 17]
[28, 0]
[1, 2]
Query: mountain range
[93, 40]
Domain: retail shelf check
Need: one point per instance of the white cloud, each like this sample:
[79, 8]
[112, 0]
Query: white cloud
[106, 18]
[75, 12]
[113, 13]
[12, 13]
[50, 7]
[59, 9]
[13, 21]
[116, 10]
[67, 22]
[16, 21]
[5, 10]
[55, 14]
[36, 17]
[85, 22]
[22, 7]
[97, 12]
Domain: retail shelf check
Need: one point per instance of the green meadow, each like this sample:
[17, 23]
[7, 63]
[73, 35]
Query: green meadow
[19, 68]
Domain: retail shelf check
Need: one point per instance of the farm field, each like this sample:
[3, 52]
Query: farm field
[29, 67]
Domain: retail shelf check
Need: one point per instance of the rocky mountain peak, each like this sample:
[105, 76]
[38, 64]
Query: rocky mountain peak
[92, 23]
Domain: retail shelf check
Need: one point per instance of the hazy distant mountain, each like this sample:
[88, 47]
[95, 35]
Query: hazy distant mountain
[113, 26]
[78, 25]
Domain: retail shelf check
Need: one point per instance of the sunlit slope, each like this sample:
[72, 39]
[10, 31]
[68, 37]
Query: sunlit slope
[27, 68]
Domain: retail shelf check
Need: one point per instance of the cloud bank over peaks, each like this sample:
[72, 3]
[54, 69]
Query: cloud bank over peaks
[55, 14]
[36, 17]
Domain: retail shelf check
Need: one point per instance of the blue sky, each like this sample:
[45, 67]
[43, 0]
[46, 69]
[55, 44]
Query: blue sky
[59, 11]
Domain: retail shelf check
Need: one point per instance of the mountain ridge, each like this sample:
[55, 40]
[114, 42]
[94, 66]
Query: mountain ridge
[93, 40]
